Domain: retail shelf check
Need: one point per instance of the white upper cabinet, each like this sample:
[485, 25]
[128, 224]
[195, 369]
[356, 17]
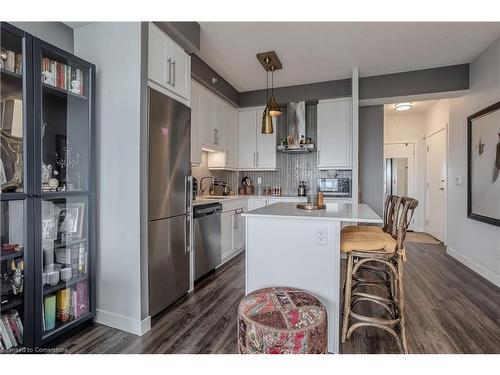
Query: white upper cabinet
[168, 65]
[256, 151]
[247, 134]
[228, 158]
[208, 119]
[334, 134]
[231, 136]
[196, 101]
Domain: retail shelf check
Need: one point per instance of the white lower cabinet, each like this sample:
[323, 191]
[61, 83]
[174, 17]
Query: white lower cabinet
[232, 228]
[226, 234]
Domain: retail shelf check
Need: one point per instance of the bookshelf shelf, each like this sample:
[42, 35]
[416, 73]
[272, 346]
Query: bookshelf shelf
[47, 289]
[61, 92]
[62, 327]
[11, 74]
[17, 254]
[11, 302]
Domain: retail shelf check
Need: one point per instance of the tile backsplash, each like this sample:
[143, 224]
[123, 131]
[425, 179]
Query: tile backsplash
[290, 168]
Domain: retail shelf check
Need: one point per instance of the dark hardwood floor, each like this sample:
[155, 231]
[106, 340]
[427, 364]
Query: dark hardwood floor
[450, 309]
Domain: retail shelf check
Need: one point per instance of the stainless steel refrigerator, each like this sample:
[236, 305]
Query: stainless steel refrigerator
[169, 188]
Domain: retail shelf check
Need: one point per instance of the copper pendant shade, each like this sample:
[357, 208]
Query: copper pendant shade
[270, 62]
[274, 108]
[267, 122]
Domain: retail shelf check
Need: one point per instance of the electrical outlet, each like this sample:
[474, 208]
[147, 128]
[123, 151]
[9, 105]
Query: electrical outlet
[321, 236]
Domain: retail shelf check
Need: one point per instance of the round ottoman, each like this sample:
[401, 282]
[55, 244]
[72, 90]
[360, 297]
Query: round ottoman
[281, 321]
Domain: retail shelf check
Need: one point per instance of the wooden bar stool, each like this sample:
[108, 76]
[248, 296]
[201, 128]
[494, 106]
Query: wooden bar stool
[389, 205]
[382, 254]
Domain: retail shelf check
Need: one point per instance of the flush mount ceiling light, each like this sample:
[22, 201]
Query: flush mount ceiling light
[270, 62]
[402, 106]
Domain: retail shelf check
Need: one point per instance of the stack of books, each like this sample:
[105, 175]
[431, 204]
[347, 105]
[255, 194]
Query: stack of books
[11, 330]
[62, 76]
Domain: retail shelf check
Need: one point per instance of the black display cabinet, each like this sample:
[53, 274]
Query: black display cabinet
[47, 172]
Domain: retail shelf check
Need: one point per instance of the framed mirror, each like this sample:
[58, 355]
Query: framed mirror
[483, 183]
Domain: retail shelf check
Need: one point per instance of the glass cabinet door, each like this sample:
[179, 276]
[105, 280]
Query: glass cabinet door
[65, 261]
[64, 124]
[15, 304]
[12, 275]
[62, 182]
[12, 98]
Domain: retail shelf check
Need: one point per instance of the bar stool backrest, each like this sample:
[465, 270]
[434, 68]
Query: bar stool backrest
[403, 214]
[392, 202]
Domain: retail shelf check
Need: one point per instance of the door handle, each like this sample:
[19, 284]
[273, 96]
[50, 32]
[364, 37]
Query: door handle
[173, 65]
[187, 229]
[189, 193]
[169, 60]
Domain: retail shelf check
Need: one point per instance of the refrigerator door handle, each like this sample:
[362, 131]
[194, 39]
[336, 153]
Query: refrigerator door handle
[187, 230]
[189, 193]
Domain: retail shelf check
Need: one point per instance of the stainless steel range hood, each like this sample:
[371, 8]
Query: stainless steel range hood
[296, 128]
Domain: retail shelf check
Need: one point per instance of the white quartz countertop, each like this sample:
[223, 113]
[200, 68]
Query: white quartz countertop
[345, 212]
[220, 199]
[217, 199]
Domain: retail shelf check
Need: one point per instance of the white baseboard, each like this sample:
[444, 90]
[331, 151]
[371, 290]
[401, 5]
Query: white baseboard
[123, 323]
[230, 255]
[487, 274]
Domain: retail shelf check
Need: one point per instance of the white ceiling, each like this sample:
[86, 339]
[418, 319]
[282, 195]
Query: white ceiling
[313, 52]
[417, 107]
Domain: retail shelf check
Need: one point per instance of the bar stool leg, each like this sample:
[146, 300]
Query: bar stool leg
[401, 297]
[347, 296]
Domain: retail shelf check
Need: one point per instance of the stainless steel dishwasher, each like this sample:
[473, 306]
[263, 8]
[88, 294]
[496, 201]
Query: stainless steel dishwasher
[207, 238]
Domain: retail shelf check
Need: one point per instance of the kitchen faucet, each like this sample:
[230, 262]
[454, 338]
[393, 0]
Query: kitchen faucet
[201, 183]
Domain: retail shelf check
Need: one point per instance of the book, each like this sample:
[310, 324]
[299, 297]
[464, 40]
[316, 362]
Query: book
[5, 335]
[49, 310]
[13, 314]
[63, 305]
[82, 296]
[15, 330]
[74, 304]
[6, 324]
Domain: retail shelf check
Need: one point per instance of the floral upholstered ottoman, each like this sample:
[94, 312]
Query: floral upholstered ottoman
[281, 321]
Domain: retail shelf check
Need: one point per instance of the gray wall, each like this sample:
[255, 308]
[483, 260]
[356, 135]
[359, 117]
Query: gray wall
[472, 242]
[119, 116]
[371, 157]
[55, 33]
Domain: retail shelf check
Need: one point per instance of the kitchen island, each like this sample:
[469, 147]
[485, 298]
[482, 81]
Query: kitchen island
[287, 246]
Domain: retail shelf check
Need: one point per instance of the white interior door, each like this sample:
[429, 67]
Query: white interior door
[436, 185]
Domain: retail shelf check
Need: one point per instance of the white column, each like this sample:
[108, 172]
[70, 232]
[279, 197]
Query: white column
[355, 134]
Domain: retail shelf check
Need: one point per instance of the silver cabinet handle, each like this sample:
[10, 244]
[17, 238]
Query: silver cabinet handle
[257, 164]
[236, 218]
[216, 138]
[169, 60]
[254, 160]
[173, 64]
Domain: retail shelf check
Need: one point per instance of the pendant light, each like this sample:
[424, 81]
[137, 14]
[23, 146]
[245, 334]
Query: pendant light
[267, 120]
[274, 108]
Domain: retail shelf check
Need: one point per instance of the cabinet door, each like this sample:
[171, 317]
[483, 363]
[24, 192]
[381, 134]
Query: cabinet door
[226, 233]
[266, 146]
[334, 134]
[158, 55]
[207, 119]
[196, 109]
[238, 230]
[247, 139]
[181, 71]
[255, 203]
[218, 125]
[231, 136]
